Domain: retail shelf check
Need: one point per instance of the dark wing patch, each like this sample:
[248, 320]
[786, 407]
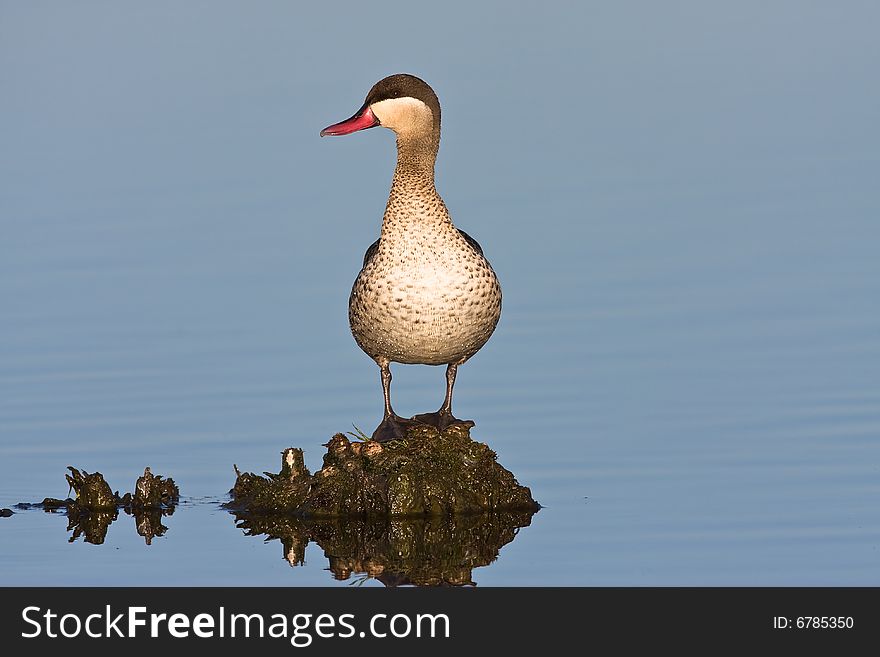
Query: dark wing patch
[371, 252]
[470, 240]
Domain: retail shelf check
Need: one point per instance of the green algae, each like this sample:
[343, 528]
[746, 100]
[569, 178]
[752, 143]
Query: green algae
[152, 492]
[428, 474]
[92, 492]
[96, 506]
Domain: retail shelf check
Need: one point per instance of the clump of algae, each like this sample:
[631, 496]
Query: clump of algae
[430, 473]
[96, 506]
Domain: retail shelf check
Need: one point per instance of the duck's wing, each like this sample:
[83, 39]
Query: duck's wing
[371, 252]
[470, 240]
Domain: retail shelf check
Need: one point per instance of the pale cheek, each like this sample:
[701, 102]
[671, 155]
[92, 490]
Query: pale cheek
[403, 115]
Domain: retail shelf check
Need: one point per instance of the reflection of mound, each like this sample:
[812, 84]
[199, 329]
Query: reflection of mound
[93, 525]
[431, 551]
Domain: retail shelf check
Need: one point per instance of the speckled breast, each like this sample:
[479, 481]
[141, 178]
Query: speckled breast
[423, 305]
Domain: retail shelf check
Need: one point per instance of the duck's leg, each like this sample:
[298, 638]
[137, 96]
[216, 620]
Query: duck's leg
[444, 417]
[393, 427]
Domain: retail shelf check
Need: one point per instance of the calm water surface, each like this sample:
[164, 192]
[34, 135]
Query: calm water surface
[681, 203]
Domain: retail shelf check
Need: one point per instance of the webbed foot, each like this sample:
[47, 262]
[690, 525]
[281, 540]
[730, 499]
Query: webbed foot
[393, 427]
[442, 420]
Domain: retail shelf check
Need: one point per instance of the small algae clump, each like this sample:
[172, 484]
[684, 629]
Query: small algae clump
[92, 492]
[428, 474]
[96, 506]
[152, 492]
[275, 493]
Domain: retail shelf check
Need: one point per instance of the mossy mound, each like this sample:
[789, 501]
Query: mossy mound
[428, 474]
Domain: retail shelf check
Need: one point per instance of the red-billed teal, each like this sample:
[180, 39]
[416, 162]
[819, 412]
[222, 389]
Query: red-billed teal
[426, 294]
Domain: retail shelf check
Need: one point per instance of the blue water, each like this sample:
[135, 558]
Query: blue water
[681, 202]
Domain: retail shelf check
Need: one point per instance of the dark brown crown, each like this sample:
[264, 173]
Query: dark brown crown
[403, 85]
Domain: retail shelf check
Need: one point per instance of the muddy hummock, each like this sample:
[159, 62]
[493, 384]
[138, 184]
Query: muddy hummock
[427, 474]
[96, 505]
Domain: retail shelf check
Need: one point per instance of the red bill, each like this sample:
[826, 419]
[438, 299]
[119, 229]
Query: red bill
[363, 119]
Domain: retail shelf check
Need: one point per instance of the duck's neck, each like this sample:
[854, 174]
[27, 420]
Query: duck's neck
[415, 162]
[414, 199]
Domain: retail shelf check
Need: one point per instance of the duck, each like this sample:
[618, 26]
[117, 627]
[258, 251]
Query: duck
[426, 294]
